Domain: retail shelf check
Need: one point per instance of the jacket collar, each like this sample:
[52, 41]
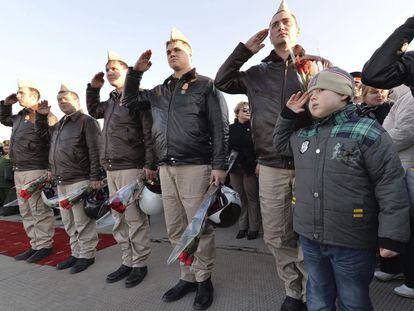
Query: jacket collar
[273, 57]
[73, 117]
[188, 76]
[115, 95]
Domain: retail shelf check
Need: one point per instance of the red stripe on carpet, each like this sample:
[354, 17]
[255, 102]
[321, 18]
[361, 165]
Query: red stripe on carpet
[13, 241]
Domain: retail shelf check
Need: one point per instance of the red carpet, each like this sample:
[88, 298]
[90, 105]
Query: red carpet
[13, 241]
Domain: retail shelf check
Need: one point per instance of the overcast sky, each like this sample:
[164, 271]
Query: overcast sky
[51, 42]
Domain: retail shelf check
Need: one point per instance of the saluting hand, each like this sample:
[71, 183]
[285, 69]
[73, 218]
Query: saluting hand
[254, 44]
[143, 63]
[297, 102]
[11, 99]
[43, 107]
[98, 80]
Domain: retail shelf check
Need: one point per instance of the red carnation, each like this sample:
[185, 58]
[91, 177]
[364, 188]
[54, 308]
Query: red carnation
[189, 261]
[304, 65]
[65, 204]
[25, 194]
[183, 256]
[117, 205]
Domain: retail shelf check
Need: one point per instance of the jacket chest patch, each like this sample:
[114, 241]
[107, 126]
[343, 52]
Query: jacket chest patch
[305, 146]
[347, 155]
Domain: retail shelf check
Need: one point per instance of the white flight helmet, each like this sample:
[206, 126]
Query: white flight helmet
[150, 200]
[226, 209]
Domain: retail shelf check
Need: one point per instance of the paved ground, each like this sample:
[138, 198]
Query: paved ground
[244, 279]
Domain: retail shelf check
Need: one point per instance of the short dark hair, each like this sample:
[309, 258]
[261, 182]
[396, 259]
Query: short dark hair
[293, 15]
[177, 40]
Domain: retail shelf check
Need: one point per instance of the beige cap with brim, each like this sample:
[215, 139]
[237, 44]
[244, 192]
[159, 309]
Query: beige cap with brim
[66, 88]
[112, 56]
[334, 79]
[283, 8]
[29, 84]
[178, 35]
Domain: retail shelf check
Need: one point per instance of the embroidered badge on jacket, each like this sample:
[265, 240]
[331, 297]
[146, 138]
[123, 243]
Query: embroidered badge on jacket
[305, 146]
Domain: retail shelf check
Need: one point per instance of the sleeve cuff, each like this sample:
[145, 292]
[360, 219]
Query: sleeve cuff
[41, 117]
[288, 114]
[151, 167]
[410, 22]
[241, 47]
[135, 74]
[222, 167]
[92, 89]
[392, 245]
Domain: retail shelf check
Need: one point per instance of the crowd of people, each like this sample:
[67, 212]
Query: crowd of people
[304, 142]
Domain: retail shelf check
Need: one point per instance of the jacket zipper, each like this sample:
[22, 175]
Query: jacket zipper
[55, 143]
[282, 103]
[284, 84]
[168, 115]
[13, 140]
[107, 125]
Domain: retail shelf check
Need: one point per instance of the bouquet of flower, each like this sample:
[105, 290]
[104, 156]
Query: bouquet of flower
[124, 196]
[73, 198]
[66, 201]
[33, 186]
[188, 244]
[187, 255]
[306, 66]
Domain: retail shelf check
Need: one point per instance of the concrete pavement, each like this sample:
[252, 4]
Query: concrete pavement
[245, 279]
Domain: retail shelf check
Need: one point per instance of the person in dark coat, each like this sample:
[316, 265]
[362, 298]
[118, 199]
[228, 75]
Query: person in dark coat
[242, 175]
[375, 104]
[6, 174]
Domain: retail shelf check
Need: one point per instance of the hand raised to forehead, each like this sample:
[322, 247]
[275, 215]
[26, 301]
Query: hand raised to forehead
[11, 99]
[297, 102]
[254, 44]
[98, 80]
[143, 63]
[43, 107]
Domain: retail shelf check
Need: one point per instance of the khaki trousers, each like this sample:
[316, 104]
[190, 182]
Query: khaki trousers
[38, 219]
[275, 190]
[183, 188]
[131, 229]
[247, 187]
[81, 229]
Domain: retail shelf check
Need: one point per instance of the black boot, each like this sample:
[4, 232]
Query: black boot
[68, 263]
[252, 235]
[136, 276]
[177, 292]
[39, 255]
[241, 234]
[291, 304]
[81, 264]
[26, 254]
[122, 272]
[204, 296]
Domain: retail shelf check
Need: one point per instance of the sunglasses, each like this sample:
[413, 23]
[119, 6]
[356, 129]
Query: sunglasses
[245, 110]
